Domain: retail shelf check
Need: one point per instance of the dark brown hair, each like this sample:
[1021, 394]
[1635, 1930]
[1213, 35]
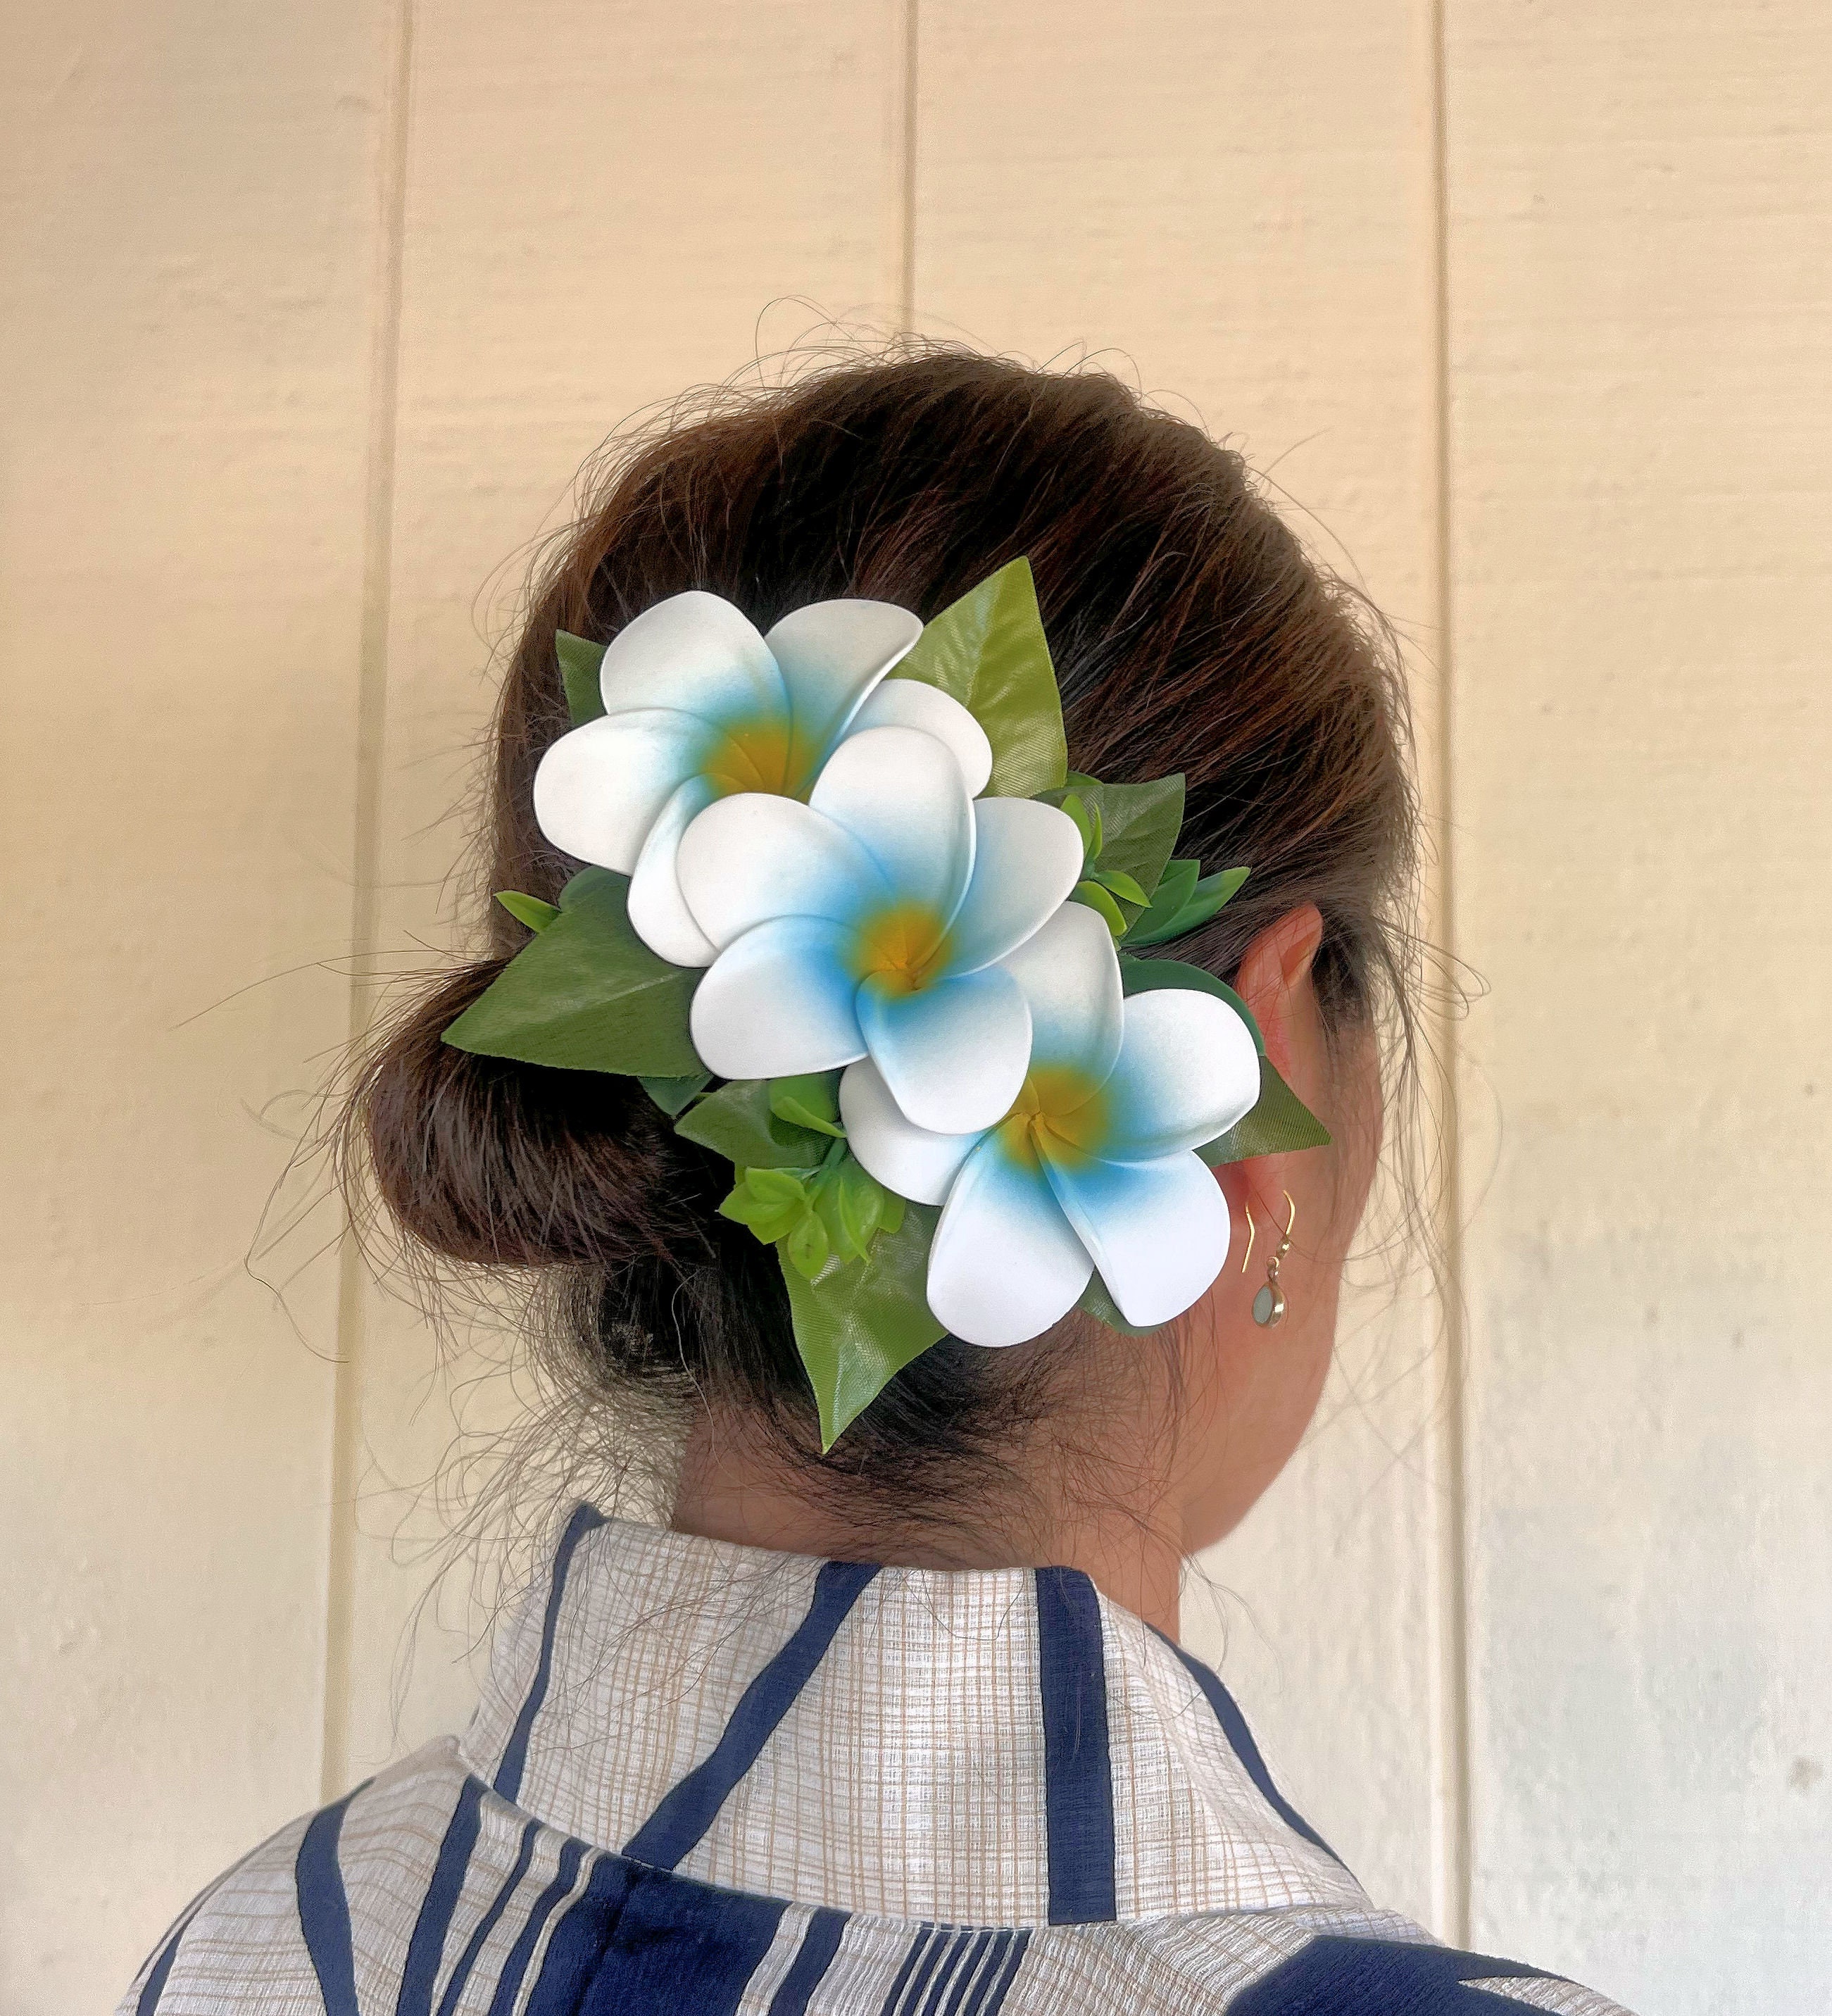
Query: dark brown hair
[1190, 633]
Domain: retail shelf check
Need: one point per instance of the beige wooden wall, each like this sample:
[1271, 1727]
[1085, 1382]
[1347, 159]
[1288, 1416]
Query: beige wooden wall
[310, 313]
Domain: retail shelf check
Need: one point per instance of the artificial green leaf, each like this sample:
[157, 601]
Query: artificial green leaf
[890, 1208]
[1174, 887]
[587, 994]
[1098, 1302]
[771, 1228]
[1097, 898]
[771, 1208]
[988, 651]
[1142, 976]
[1078, 811]
[738, 1122]
[1214, 891]
[857, 1327]
[529, 910]
[580, 660]
[672, 1095]
[858, 1205]
[810, 1101]
[826, 1202]
[1279, 1124]
[767, 1223]
[1122, 885]
[807, 1248]
[1164, 922]
[1137, 827]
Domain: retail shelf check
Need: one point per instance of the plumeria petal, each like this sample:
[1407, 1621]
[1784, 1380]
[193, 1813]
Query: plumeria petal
[696, 652]
[1071, 978]
[901, 794]
[753, 857]
[598, 789]
[776, 1002]
[658, 911]
[1158, 1230]
[907, 1159]
[953, 1053]
[1026, 857]
[911, 704]
[832, 654]
[1006, 1264]
[1187, 1070]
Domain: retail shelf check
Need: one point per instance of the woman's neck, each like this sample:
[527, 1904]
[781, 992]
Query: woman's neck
[731, 1490]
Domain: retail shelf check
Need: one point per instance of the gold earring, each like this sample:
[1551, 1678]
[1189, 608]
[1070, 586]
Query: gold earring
[1268, 1305]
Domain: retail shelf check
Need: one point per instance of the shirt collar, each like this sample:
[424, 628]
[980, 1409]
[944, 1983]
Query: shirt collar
[1003, 1748]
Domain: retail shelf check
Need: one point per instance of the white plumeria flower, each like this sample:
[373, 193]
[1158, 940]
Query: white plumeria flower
[871, 921]
[699, 706]
[1094, 1165]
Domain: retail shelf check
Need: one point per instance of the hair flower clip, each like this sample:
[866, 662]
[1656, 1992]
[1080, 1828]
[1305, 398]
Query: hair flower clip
[857, 929]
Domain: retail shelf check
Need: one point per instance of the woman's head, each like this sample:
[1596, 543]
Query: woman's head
[1190, 633]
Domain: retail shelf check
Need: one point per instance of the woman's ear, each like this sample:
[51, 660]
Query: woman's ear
[1273, 980]
[1276, 966]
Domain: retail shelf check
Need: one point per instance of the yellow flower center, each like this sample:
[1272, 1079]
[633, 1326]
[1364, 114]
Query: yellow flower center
[754, 755]
[1061, 1108]
[903, 947]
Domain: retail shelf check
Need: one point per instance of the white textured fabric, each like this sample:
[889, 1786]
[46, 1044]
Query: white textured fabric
[705, 1778]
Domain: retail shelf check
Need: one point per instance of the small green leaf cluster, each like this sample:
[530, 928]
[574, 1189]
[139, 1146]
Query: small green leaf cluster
[816, 1215]
[855, 1256]
[798, 1185]
[1127, 832]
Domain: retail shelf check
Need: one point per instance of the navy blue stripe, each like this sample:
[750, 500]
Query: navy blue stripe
[1241, 1742]
[420, 1972]
[989, 1975]
[487, 1924]
[819, 1943]
[508, 1983]
[994, 2001]
[675, 1946]
[1380, 1978]
[154, 1986]
[324, 1910]
[967, 1975]
[941, 1943]
[1077, 1779]
[509, 1773]
[918, 1946]
[579, 1939]
[679, 1823]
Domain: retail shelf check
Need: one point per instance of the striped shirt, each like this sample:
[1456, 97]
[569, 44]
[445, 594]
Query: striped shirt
[709, 1779]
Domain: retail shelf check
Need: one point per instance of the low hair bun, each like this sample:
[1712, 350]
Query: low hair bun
[495, 1164]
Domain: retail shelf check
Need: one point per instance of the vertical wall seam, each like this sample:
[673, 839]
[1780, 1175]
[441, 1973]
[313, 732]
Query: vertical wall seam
[1451, 1873]
[906, 166]
[364, 918]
